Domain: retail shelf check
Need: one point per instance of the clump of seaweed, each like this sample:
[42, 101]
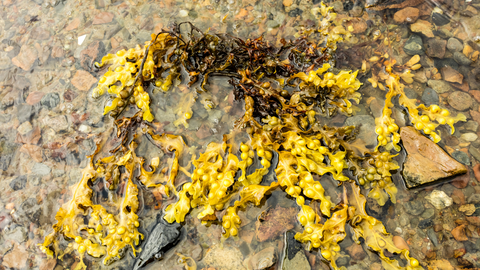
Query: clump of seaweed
[279, 123]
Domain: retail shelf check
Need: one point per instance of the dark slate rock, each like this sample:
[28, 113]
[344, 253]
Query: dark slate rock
[163, 237]
[50, 100]
[414, 45]
[426, 223]
[293, 246]
[440, 19]
[19, 182]
[446, 62]
[433, 237]
[295, 12]
[461, 157]
[430, 97]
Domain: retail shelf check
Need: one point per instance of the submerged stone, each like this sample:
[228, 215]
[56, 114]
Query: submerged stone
[294, 255]
[439, 199]
[163, 237]
[426, 162]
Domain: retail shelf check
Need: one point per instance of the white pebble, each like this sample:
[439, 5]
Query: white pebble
[84, 129]
[81, 39]
[183, 13]
[439, 199]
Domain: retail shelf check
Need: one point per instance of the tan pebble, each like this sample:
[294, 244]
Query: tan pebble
[9, 206]
[400, 243]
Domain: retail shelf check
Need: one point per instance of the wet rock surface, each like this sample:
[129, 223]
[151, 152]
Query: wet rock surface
[426, 162]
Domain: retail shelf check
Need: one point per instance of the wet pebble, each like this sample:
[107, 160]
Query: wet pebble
[40, 169]
[440, 19]
[17, 234]
[294, 255]
[474, 152]
[439, 199]
[263, 259]
[24, 112]
[295, 12]
[24, 128]
[429, 213]
[18, 182]
[460, 101]
[433, 237]
[461, 157]
[414, 207]
[474, 198]
[439, 86]
[414, 45]
[414, 222]
[436, 47]
[408, 15]
[454, 45]
[400, 242]
[356, 11]
[57, 123]
[50, 100]
[461, 59]
[469, 137]
[367, 129]
[430, 97]
[426, 223]
[471, 126]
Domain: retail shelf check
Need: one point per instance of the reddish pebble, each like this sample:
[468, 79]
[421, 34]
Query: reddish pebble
[476, 171]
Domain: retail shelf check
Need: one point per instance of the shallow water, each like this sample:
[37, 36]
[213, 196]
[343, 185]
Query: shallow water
[48, 122]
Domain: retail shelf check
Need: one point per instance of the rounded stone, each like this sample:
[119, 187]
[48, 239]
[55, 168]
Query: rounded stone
[430, 97]
[454, 45]
[460, 101]
[414, 45]
[461, 157]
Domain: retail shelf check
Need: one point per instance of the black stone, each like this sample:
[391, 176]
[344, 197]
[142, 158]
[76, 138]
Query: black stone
[163, 237]
[440, 19]
[50, 100]
[19, 182]
[426, 223]
[295, 12]
[430, 97]
[293, 246]
[441, 63]
[414, 45]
